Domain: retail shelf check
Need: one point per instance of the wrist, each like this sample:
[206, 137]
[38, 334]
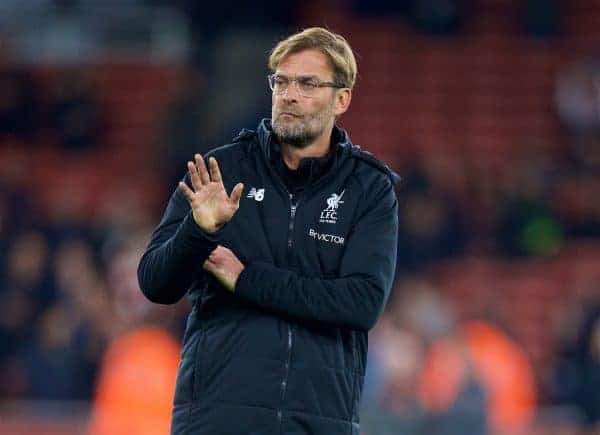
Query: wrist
[209, 228]
[236, 278]
[197, 231]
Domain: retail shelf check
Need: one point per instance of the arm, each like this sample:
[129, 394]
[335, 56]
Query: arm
[173, 257]
[187, 233]
[356, 299]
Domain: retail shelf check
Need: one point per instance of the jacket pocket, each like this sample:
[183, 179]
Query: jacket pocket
[320, 391]
[185, 387]
[358, 385]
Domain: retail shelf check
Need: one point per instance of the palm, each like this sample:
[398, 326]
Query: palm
[210, 204]
[214, 206]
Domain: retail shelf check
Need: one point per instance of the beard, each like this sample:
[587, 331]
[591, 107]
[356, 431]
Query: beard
[303, 131]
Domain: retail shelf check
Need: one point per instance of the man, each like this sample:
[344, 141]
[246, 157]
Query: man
[287, 273]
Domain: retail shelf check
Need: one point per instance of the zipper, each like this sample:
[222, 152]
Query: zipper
[290, 244]
[293, 207]
[290, 340]
[287, 371]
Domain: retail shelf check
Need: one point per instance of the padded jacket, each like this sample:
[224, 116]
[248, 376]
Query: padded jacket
[285, 353]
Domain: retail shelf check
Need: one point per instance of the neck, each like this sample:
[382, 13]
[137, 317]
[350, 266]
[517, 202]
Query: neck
[292, 155]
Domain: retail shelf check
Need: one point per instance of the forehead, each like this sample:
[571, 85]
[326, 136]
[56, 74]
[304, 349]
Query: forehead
[306, 63]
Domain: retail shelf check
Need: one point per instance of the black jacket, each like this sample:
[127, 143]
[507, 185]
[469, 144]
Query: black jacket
[286, 352]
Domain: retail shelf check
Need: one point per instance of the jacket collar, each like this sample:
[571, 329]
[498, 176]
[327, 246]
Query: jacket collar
[265, 137]
[310, 169]
[342, 147]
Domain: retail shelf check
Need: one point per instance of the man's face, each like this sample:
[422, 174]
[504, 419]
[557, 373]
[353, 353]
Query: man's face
[299, 120]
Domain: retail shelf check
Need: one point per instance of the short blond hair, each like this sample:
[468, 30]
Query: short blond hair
[332, 45]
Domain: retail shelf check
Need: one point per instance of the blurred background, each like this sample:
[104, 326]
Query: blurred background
[489, 109]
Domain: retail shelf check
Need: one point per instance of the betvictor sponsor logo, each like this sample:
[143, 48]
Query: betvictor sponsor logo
[331, 238]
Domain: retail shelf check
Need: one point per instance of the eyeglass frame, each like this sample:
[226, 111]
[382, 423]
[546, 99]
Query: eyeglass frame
[320, 84]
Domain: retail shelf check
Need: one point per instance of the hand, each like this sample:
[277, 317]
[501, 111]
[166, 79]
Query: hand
[224, 266]
[211, 206]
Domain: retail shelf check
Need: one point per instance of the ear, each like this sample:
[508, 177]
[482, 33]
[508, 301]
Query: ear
[342, 101]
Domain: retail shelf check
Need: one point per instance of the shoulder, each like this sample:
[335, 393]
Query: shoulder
[231, 158]
[238, 149]
[370, 171]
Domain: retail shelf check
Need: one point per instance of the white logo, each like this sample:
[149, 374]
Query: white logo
[257, 194]
[329, 213]
[331, 238]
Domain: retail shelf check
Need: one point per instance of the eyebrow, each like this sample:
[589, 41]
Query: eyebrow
[306, 77]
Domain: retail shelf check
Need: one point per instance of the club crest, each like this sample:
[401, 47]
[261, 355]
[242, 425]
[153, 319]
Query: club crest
[329, 213]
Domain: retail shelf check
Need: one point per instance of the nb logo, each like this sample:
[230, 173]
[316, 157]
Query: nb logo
[257, 194]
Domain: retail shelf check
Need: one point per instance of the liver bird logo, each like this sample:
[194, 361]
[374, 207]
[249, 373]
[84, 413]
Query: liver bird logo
[334, 201]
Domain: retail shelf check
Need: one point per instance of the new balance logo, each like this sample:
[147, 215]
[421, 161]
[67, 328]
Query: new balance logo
[257, 194]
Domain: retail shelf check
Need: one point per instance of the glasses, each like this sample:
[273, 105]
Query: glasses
[306, 86]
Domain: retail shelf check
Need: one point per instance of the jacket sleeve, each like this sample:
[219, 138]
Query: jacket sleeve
[356, 299]
[175, 254]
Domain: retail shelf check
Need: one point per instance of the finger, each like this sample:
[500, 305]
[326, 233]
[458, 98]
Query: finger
[215, 172]
[236, 194]
[221, 249]
[202, 169]
[189, 195]
[216, 254]
[209, 266]
[194, 177]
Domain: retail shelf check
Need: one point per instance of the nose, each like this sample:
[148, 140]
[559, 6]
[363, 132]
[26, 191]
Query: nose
[290, 93]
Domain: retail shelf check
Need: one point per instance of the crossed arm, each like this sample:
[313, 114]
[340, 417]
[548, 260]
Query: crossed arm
[354, 300]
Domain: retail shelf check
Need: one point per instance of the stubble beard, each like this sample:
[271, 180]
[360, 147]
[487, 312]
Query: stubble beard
[301, 132]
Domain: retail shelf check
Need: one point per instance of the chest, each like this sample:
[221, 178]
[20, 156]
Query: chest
[306, 233]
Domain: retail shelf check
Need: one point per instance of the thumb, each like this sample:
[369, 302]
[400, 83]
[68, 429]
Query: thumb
[236, 194]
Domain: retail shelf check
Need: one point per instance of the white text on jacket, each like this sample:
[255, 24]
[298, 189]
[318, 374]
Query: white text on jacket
[331, 238]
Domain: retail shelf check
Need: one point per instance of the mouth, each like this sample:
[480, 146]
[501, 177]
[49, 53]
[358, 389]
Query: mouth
[289, 114]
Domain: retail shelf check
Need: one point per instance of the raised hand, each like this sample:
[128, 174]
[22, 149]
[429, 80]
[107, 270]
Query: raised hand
[211, 206]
